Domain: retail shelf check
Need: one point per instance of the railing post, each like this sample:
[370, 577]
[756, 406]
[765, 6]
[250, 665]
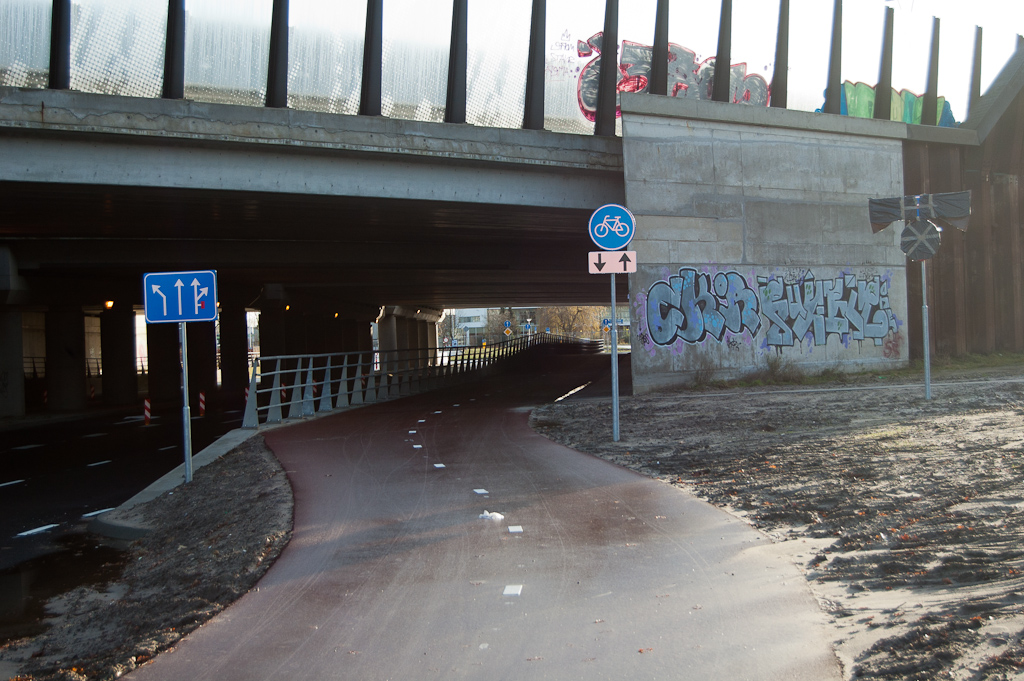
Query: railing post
[277, 68]
[455, 104]
[251, 418]
[308, 408]
[60, 45]
[607, 84]
[327, 396]
[274, 412]
[174, 51]
[343, 389]
[295, 398]
[369, 94]
[533, 109]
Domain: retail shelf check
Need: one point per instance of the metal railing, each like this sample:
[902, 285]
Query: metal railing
[288, 387]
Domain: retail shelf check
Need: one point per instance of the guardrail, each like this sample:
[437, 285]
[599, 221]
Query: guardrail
[290, 387]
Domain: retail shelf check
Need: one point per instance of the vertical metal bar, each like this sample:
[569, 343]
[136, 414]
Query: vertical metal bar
[277, 68]
[370, 91]
[455, 104]
[722, 87]
[780, 74]
[834, 87]
[186, 415]
[60, 45]
[608, 75]
[615, 368]
[174, 51]
[927, 339]
[659, 58]
[883, 91]
[533, 109]
[975, 71]
[930, 100]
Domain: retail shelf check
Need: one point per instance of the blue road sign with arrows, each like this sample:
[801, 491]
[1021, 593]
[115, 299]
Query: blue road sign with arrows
[180, 296]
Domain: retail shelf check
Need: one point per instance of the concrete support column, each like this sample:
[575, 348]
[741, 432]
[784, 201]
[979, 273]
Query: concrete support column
[12, 369]
[234, 349]
[422, 343]
[117, 345]
[202, 363]
[164, 363]
[317, 329]
[272, 330]
[65, 358]
[432, 341]
[387, 336]
[294, 332]
[406, 335]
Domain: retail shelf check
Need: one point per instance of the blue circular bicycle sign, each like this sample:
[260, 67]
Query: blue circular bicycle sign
[612, 226]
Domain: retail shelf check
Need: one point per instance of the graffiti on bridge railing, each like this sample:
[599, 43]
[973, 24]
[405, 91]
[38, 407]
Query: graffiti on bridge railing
[686, 77]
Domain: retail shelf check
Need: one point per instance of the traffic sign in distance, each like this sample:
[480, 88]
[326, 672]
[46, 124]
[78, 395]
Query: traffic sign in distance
[612, 227]
[507, 323]
[619, 262]
[920, 240]
[508, 331]
[180, 296]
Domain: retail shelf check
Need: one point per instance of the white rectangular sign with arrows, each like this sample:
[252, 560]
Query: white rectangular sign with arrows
[180, 296]
[612, 262]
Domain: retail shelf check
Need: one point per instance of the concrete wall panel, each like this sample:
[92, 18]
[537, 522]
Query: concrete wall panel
[768, 258]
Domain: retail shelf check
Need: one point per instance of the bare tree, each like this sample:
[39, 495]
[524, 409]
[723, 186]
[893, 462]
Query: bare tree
[580, 320]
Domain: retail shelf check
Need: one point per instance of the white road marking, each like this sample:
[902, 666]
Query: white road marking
[96, 513]
[481, 491]
[436, 465]
[93, 435]
[37, 530]
[422, 421]
[513, 590]
[412, 432]
[25, 447]
[164, 449]
[417, 446]
[12, 482]
[99, 463]
[515, 529]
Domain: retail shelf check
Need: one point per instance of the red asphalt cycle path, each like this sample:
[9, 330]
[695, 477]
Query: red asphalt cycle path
[392, 574]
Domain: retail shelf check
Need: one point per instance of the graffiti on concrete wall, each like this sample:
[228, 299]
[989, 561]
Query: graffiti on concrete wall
[814, 309]
[696, 307]
[686, 76]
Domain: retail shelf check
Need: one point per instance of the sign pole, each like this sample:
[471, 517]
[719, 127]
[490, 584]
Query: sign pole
[615, 368]
[927, 339]
[186, 416]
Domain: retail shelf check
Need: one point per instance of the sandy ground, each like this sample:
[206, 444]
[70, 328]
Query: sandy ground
[905, 515]
[212, 540]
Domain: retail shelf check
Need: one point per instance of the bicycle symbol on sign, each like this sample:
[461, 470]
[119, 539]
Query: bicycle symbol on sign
[611, 223]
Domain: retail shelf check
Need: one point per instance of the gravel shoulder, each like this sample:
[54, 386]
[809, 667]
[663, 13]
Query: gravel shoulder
[905, 515]
[211, 541]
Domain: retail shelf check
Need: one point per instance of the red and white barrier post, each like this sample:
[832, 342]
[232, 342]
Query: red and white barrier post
[145, 411]
[202, 404]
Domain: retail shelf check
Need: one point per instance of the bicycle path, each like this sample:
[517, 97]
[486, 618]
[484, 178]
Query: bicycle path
[392, 574]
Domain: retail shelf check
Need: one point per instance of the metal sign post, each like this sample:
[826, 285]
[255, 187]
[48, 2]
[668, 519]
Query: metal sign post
[611, 228]
[615, 370]
[181, 297]
[927, 339]
[186, 415]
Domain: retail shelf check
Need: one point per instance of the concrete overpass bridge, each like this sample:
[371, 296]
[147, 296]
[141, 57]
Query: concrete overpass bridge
[752, 231]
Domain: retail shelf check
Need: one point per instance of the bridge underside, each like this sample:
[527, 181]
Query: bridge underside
[82, 244]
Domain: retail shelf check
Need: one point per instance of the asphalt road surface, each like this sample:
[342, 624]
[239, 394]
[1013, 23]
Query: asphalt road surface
[593, 572]
[54, 474]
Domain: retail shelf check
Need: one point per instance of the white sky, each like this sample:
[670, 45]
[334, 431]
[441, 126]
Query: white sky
[694, 25]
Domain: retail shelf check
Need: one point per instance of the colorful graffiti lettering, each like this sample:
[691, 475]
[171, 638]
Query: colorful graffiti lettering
[686, 77]
[858, 100]
[696, 305]
[848, 307]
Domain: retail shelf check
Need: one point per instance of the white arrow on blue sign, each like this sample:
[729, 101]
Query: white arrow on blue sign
[180, 296]
[612, 227]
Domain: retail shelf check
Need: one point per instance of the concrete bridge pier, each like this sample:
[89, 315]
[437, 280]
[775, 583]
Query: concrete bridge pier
[202, 363]
[234, 351]
[12, 368]
[65, 358]
[117, 346]
[164, 363]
